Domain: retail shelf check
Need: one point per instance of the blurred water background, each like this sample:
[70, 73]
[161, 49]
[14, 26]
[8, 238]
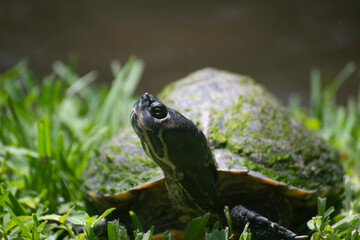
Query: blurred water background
[276, 42]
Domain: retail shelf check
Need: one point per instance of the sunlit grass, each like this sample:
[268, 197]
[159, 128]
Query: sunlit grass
[49, 130]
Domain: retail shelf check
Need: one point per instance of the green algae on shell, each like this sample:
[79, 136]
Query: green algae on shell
[122, 165]
[240, 117]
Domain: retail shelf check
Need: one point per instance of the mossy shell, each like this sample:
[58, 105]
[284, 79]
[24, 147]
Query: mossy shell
[260, 149]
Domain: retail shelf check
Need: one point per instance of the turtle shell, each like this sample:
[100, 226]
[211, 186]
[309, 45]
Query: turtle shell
[260, 148]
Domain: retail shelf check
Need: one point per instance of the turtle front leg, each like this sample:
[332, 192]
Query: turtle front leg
[260, 227]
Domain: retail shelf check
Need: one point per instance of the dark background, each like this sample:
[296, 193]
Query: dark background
[276, 42]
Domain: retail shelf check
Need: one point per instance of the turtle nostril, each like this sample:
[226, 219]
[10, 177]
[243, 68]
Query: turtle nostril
[146, 95]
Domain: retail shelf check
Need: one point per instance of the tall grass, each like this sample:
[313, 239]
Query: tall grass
[49, 130]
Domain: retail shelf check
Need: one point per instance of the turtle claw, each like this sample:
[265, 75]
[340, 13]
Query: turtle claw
[301, 237]
[261, 227]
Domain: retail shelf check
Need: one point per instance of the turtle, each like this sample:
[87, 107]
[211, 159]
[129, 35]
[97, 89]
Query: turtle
[215, 139]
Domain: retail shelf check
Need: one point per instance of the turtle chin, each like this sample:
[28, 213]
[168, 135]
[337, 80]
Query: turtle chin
[135, 122]
[135, 116]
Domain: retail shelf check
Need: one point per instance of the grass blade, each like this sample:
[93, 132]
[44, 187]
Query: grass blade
[19, 223]
[136, 221]
[24, 141]
[196, 227]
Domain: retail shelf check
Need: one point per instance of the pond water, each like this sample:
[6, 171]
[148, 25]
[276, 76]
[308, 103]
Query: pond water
[276, 42]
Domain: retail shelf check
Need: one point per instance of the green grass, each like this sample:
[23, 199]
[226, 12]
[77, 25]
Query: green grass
[50, 128]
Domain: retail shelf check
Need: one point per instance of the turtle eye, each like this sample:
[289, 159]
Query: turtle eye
[158, 112]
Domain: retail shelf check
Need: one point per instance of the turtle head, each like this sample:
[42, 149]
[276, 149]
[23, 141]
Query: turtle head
[181, 150]
[158, 128]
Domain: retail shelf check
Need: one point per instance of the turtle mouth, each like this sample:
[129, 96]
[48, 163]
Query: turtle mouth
[137, 110]
[135, 122]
